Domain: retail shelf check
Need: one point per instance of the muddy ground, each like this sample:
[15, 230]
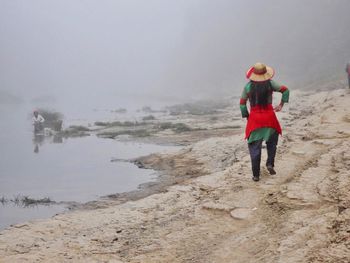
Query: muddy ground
[214, 212]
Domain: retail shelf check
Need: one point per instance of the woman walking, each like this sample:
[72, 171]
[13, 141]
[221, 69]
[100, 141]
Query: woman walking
[262, 122]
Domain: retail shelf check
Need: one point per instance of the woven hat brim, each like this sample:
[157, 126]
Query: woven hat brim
[263, 77]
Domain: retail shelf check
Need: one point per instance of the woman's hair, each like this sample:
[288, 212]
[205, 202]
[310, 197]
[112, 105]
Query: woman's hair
[260, 93]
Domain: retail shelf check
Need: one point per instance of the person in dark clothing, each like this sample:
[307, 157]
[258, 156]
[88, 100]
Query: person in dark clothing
[347, 69]
[262, 122]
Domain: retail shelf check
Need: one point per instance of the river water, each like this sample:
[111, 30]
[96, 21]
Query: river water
[74, 169]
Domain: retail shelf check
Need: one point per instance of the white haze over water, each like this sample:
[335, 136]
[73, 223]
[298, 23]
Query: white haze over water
[85, 52]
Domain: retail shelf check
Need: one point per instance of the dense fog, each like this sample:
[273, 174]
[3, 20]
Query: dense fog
[193, 49]
[305, 41]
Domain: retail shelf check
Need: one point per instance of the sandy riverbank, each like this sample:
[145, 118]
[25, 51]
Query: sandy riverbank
[215, 212]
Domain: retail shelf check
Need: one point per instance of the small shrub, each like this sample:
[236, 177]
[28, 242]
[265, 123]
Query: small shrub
[120, 110]
[51, 115]
[149, 118]
[181, 127]
[165, 125]
[101, 123]
[79, 128]
[135, 133]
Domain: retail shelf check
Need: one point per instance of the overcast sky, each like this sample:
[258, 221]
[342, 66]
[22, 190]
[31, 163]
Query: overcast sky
[68, 46]
[304, 40]
[178, 48]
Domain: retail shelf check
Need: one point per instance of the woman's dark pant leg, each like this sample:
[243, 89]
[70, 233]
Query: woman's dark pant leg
[255, 156]
[271, 146]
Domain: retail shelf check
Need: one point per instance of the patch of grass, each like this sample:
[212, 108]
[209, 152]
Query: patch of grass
[139, 133]
[149, 118]
[198, 108]
[119, 124]
[100, 123]
[229, 127]
[50, 115]
[147, 109]
[53, 119]
[135, 133]
[3, 200]
[25, 201]
[165, 126]
[176, 127]
[79, 128]
[75, 131]
[120, 110]
[181, 127]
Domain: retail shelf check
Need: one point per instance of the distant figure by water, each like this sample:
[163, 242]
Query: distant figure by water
[347, 69]
[262, 123]
[38, 122]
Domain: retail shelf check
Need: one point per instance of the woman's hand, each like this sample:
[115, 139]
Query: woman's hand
[279, 107]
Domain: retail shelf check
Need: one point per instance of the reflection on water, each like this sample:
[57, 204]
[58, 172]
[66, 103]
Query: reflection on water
[39, 139]
[13, 214]
[62, 169]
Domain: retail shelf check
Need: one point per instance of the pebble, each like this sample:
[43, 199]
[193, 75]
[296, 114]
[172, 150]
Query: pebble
[299, 152]
[241, 213]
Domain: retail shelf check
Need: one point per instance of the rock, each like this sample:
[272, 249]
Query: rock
[298, 152]
[20, 225]
[241, 213]
[21, 249]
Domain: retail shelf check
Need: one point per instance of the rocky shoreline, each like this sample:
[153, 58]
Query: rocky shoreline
[181, 125]
[212, 211]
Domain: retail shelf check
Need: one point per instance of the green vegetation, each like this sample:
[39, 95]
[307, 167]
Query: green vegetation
[51, 115]
[120, 110]
[135, 133]
[79, 128]
[147, 131]
[229, 127]
[3, 200]
[149, 118]
[165, 125]
[53, 119]
[75, 131]
[118, 123]
[198, 108]
[26, 201]
[176, 127]
[147, 109]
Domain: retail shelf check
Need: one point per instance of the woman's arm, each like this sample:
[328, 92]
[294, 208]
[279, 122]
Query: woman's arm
[285, 94]
[243, 102]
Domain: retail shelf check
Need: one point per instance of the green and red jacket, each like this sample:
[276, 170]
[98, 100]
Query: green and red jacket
[262, 121]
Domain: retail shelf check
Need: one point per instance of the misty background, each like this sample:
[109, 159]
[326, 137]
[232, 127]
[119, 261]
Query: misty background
[80, 51]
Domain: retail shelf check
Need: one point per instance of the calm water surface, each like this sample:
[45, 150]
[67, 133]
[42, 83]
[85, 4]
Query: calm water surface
[74, 169]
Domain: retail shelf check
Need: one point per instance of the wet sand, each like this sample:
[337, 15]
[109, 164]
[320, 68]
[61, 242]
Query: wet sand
[210, 210]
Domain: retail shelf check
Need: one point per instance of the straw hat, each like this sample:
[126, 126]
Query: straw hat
[260, 72]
